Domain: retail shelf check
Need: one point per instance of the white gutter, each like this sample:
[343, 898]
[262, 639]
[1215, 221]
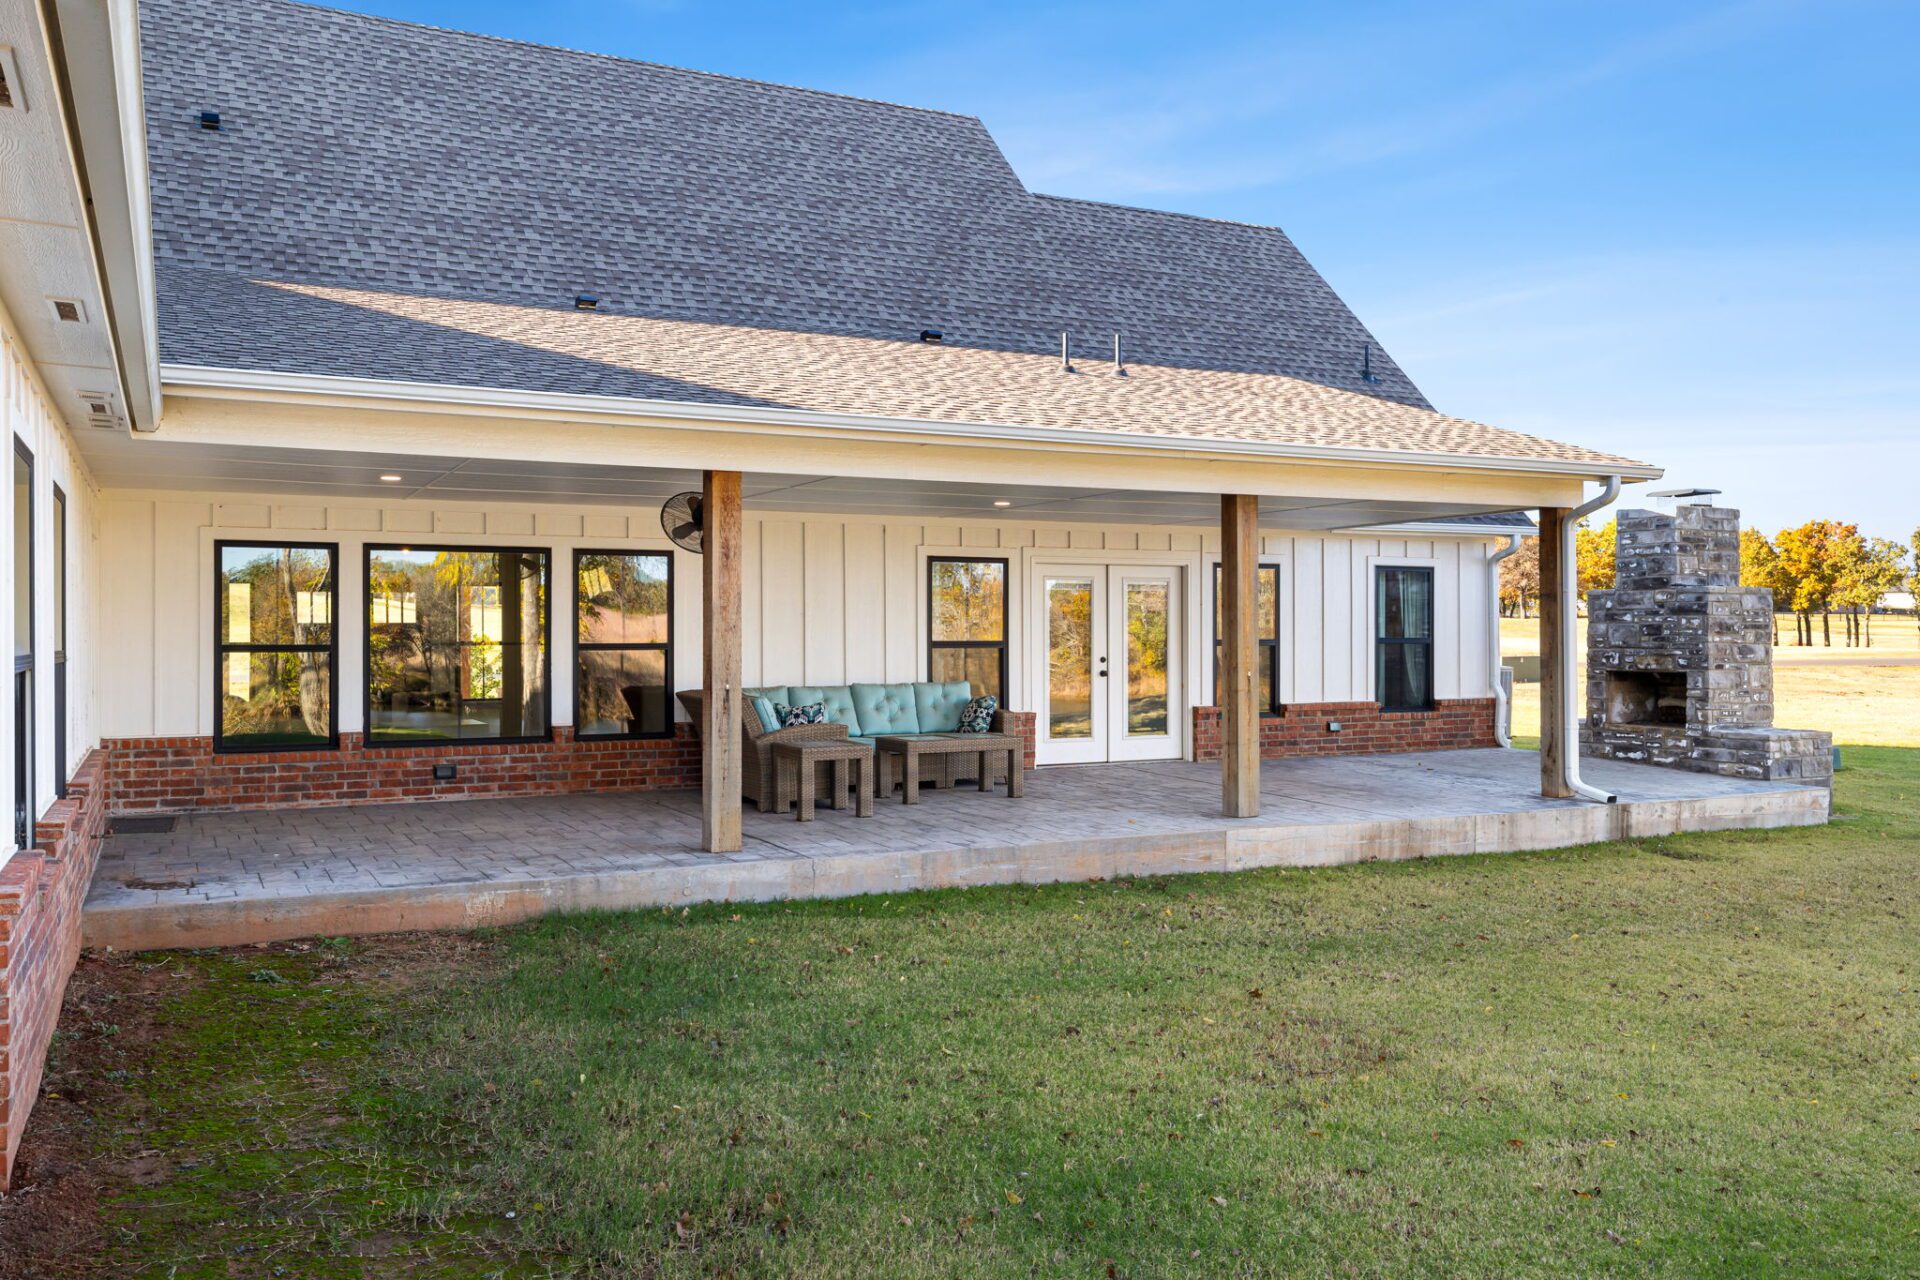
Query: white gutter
[434, 397]
[1570, 684]
[1502, 712]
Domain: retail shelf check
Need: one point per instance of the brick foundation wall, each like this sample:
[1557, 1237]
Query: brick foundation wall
[41, 892]
[1024, 724]
[166, 775]
[1301, 729]
[175, 774]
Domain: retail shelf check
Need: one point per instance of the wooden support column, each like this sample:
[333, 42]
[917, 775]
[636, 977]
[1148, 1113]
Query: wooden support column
[720, 631]
[1553, 634]
[1239, 656]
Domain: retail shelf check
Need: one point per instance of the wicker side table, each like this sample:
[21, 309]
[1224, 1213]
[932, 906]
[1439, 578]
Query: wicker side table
[910, 749]
[794, 763]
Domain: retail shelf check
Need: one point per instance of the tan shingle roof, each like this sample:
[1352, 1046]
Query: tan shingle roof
[732, 365]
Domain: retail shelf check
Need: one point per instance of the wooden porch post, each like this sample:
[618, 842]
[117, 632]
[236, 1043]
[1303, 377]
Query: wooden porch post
[1553, 627]
[720, 600]
[1239, 651]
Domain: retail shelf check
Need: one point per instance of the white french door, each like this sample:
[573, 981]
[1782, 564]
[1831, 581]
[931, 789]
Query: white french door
[1108, 654]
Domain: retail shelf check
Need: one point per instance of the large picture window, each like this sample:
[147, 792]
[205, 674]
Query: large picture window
[967, 624]
[623, 615]
[1266, 627]
[1403, 638]
[274, 646]
[456, 645]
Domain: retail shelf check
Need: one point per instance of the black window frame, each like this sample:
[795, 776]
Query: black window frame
[59, 550]
[665, 648]
[25, 694]
[1381, 641]
[366, 651]
[222, 647]
[1272, 658]
[1006, 617]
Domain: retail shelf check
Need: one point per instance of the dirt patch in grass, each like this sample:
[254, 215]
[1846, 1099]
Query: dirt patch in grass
[205, 1113]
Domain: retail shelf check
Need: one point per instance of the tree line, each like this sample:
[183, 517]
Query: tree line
[1820, 568]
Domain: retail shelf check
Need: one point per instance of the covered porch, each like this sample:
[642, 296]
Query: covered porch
[213, 879]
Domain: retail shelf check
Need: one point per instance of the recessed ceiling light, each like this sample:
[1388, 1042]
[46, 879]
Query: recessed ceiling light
[1001, 502]
[391, 479]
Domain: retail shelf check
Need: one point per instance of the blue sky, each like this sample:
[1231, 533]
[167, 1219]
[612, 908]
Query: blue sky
[1687, 232]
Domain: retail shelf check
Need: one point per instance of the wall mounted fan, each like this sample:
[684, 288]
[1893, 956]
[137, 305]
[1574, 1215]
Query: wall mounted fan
[682, 520]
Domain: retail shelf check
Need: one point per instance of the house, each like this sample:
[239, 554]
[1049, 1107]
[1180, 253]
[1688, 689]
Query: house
[348, 365]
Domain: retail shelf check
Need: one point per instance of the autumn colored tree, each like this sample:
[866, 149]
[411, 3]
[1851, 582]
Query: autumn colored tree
[1913, 578]
[1760, 567]
[1812, 558]
[1593, 557]
[1868, 569]
[1520, 578]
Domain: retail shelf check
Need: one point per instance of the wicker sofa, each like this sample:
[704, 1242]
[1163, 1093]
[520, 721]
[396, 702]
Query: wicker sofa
[859, 711]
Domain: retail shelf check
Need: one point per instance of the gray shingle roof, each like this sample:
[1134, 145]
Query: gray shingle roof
[368, 153]
[477, 342]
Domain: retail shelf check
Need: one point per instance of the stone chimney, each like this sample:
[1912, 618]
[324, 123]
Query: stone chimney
[1680, 656]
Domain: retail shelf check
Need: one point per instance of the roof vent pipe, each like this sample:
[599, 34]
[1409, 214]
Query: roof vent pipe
[1367, 375]
[1120, 370]
[1066, 352]
[1571, 685]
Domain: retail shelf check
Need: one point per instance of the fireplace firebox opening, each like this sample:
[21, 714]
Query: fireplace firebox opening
[1647, 697]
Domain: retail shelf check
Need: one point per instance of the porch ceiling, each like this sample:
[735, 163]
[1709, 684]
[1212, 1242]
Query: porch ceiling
[315, 474]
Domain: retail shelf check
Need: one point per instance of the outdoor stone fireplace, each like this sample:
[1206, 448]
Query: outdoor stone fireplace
[1680, 656]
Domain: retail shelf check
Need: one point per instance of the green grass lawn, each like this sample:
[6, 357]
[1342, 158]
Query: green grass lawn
[1682, 1057]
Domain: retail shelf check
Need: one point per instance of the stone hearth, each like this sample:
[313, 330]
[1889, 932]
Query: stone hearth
[1680, 656]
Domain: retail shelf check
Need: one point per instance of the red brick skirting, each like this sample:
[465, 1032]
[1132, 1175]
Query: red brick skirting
[1301, 729]
[41, 890]
[169, 774]
[1022, 723]
[185, 773]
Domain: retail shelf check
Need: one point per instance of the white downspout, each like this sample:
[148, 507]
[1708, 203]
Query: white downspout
[1571, 685]
[1502, 713]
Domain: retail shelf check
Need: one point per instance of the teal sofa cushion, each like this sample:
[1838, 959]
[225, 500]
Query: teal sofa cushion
[770, 695]
[886, 708]
[837, 699]
[938, 706]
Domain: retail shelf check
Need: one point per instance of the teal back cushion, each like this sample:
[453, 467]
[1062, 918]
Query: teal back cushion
[762, 700]
[836, 698]
[938, 706]
[885, 708]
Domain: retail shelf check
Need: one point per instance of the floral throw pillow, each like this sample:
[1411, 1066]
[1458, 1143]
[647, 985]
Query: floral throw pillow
[977, 715]
[811, 713]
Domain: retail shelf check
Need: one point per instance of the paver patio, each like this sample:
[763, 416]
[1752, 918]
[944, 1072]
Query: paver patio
[221, 878]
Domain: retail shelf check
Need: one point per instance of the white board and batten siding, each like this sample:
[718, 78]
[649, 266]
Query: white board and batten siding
[827, 600]
[27, 413]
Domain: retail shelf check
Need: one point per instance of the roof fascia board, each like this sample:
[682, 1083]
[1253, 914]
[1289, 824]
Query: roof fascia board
[493, 401]
[97, 60]
[1439, 526]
